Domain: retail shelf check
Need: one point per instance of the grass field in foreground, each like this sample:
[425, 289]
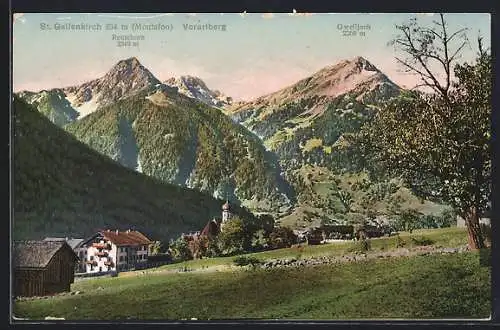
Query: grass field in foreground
[433, 286]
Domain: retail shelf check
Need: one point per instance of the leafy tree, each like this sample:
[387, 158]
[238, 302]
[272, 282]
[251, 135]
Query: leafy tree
[231, 240]
[346, 199]
[213, 247]
[439, 142]
[264, 222]
[156, 248]
[179, 249]
[446, 219]
[282, 237]
[260, 240]
[408, 220]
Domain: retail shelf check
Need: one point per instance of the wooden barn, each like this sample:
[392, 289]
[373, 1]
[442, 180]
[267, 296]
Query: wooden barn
[42, 267]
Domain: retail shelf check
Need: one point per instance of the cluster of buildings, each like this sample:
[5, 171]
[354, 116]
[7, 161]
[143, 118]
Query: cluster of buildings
[49, 266]
[195, 240]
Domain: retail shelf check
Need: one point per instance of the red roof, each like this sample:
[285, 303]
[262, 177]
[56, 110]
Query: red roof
[211, 229]
[129, 237]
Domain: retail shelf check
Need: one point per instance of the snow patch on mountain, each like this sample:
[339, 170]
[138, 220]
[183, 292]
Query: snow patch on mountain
[196, 88]
[84, 109]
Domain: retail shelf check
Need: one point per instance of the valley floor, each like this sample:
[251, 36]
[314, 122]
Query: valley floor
[454, 285]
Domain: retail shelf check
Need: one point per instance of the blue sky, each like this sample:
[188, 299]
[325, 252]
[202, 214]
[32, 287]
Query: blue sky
[255, 55]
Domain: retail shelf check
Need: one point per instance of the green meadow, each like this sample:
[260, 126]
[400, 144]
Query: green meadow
[419, 287]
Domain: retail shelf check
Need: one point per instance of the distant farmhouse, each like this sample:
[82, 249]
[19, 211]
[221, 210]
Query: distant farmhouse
[42, 267]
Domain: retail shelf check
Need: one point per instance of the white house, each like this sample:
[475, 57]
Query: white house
[116, 250]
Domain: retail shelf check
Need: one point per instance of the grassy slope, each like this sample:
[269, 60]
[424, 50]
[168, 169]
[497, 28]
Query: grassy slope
[319, 200]
[436, 286]
[445, 237]
[62, 187]
[314, 144]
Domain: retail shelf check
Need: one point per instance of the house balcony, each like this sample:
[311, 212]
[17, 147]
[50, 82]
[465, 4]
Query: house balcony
[101, 254]
[91, 262]
[101, 246]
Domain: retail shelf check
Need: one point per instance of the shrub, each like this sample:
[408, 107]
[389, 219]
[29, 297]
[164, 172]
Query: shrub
[400, 242]
[363, 245]
[244, 261]
[421, 241]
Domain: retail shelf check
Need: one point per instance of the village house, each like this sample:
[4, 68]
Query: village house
[114, 250]
[42, 267]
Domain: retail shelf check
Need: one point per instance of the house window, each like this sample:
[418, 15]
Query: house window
[121, 258]
[91, 258]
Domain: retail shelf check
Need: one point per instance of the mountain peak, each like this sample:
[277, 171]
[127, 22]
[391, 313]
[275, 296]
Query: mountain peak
[196, 88]
[363, 63]
[126, 77]
[130, 64]
[131, 60]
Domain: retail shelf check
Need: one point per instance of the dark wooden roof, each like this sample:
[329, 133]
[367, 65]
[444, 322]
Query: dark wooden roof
[37, 254]
[72, 242]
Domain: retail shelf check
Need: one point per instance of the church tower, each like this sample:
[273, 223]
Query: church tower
[226, 213]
